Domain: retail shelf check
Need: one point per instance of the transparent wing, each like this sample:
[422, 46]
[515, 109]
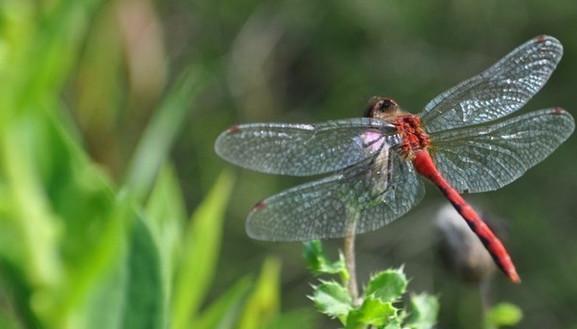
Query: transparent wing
[302, 149]
[488, 157]
[500, 90]
[370, 193]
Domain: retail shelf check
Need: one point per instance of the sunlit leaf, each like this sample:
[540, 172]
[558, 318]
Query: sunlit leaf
[36, 79]
[165, 215]
[263, 305]
[387, 286]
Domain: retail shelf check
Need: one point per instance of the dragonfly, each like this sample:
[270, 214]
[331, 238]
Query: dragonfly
[462, 142]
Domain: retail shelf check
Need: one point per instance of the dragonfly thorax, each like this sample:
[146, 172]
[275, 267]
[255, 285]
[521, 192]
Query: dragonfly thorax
[413, 136]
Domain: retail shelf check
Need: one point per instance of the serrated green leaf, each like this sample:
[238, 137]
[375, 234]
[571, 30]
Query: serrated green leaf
[201, 244]
[373, 312]
[504, 314]
[388, 285]
[224, 312]
[263, 304]
[332, 299]
[423, 311]
[318, 262]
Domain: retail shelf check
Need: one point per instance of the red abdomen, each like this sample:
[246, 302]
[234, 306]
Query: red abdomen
[425, 166]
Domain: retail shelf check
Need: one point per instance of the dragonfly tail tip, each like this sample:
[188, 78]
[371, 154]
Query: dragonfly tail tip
[514, 277]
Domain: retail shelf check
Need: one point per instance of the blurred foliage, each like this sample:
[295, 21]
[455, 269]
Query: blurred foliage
[503, 315]
[96, 96]
[76, 249]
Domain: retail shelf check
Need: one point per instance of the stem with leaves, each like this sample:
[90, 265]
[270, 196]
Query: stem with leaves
[378, 306]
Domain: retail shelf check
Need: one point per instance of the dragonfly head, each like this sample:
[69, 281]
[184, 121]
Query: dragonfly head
[382, 108]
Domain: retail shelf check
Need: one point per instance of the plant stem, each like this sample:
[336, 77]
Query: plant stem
[349, 251]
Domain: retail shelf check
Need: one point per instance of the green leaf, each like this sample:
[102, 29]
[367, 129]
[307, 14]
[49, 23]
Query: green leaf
[388, 286]
[332, 299]
[423, 311]
[53, 189]
[504, 314]
[157, 140]
[373, 312]
[319, 264]
[199, 253]
[262, 306]
[131, 295]
[144, 304]
[224, 312]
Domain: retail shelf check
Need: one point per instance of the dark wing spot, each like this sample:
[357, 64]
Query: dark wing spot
[233, 129]
[259, 206]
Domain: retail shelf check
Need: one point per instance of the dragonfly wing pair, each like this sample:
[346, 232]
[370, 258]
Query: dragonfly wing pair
[364, 186]
[493, 153]
[488, 157]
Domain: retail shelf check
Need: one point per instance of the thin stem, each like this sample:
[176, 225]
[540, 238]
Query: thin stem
[349, 251]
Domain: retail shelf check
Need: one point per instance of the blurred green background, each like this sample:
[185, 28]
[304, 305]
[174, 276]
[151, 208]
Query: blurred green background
[116, 213]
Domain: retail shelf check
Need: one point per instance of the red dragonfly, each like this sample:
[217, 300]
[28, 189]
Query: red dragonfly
[460, 142]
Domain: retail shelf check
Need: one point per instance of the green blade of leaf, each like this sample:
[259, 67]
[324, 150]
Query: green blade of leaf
[332, 299]
[166, 214]
[388, 286]
[131, 294]
[35, 224]
[262, 306]
[157, 140]
[144, 305]
[200, 250]
[36, 79]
